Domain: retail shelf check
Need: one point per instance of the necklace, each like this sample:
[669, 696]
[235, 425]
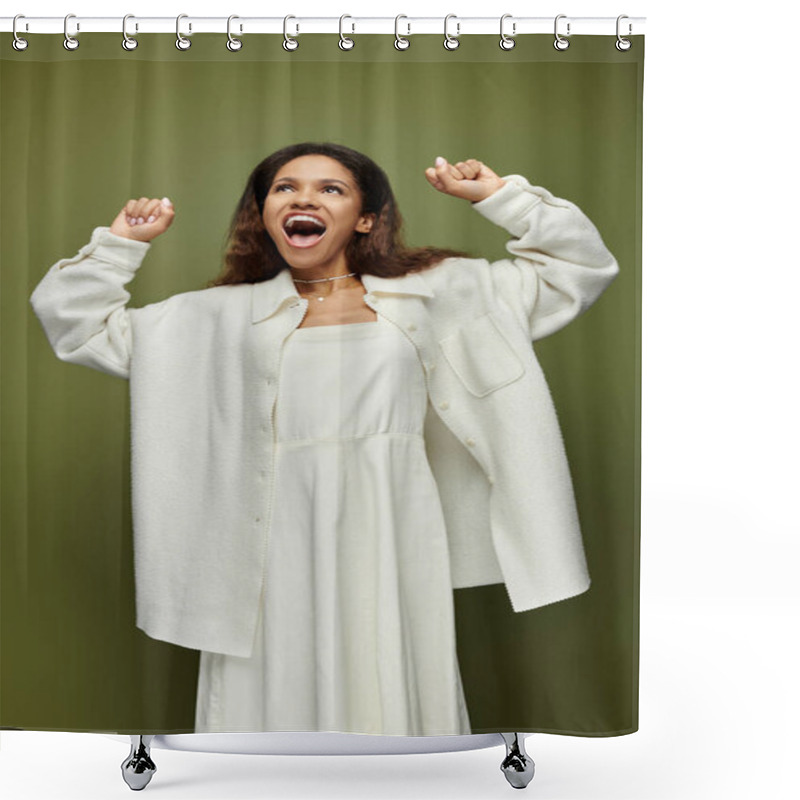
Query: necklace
[319, 280]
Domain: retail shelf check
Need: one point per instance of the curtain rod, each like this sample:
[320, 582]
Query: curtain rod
[295, 25]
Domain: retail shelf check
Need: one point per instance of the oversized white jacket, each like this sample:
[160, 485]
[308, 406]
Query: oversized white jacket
[204, 368]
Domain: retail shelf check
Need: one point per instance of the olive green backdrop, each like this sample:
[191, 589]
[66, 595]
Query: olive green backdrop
[84, 131]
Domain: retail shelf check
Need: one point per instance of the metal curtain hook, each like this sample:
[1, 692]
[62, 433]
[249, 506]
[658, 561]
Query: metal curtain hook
[560, 43]
[399, 42]
[623, 44]
[233, 44]
[344, 42]
[70, 43]
[451, 42]
[506, 42]
[182, 43]
[128, 42]
[18, 43]
[289, 43]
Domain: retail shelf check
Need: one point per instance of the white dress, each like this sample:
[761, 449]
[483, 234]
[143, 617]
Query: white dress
[356, 630]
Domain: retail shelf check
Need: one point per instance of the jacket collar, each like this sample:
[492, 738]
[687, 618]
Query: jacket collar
[268, 296]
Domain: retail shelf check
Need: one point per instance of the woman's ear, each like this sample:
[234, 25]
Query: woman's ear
[365, 223]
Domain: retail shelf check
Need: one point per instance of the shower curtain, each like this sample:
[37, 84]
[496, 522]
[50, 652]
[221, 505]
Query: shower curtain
[87, 131]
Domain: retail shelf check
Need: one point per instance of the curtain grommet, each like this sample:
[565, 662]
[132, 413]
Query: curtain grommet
[182, 43]
[233, 44]
[70, 42]
[128, 42]
[451, 42]
[401, 43]
[345, 43]
[506, 42]
[560, 42]
[289, 42]
[19, 43]
[623, 44]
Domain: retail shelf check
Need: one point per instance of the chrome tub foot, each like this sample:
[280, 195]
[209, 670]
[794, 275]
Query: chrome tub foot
[517, 766]
[138, 768]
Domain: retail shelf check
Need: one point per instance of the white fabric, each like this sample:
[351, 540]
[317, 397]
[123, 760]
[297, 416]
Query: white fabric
[356, 623]
[203, 370]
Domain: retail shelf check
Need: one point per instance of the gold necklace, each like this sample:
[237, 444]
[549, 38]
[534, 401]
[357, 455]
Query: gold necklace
[319, 280]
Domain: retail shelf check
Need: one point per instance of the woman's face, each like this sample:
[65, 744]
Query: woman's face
[312, 210]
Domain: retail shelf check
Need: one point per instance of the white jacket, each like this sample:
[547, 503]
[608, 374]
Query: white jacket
[203, 369]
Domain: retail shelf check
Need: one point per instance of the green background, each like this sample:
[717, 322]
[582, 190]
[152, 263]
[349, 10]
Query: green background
[84, 131]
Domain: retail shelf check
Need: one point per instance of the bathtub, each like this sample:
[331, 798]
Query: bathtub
[138, 768]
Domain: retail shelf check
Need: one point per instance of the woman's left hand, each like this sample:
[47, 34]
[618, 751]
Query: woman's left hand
[471, 180]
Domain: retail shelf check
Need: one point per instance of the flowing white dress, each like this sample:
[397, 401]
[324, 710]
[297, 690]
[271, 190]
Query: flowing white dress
[356, 631]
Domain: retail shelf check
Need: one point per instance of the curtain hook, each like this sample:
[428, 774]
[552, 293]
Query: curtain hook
[182, 43]
[233, 44]
[399, 42]
[561, 43]
[506, 42]
[623, 44]
[346, 43]
[70, 43]
[128, 42]
[289, 43]
[451, 42]
[18, 43]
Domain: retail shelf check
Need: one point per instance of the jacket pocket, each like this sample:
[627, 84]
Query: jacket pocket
[481, 356]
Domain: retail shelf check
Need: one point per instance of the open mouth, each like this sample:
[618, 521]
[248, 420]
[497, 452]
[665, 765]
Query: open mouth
[303, 230]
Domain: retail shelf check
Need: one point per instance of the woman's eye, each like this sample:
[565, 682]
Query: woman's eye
[287, 186]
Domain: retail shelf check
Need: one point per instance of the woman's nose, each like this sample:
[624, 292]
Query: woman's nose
[303, 196]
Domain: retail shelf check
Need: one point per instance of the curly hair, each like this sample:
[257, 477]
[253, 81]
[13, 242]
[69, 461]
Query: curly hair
[251, 256]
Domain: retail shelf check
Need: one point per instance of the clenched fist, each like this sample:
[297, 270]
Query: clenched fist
[471, 179]
[144, 219]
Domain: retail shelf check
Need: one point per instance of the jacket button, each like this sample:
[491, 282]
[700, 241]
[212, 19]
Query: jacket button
[444, 405]
[412, 327]
[294, 303]
[430, 367]
[491, 479]
[470, 441]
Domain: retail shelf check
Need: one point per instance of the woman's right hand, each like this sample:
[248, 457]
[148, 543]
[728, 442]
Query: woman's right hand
[143, 219]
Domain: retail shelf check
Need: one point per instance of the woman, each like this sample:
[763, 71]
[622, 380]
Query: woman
[327, 439]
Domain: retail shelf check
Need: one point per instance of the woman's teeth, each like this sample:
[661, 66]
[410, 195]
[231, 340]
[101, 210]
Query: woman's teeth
[303, 230]
[303, 239]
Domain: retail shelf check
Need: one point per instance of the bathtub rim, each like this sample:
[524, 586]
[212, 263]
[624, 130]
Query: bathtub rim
[317, 743]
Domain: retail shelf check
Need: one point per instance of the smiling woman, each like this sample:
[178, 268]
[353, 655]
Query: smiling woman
[312, 219]
[348, 192]
[349, 498]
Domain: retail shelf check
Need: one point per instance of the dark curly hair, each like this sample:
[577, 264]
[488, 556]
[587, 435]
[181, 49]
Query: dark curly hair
[251, 256]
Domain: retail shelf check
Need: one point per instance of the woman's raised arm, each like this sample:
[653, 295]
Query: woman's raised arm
[561, 264]
[81, 301]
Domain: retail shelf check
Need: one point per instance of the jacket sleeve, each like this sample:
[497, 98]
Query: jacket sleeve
[80, 303]
[560, 265]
